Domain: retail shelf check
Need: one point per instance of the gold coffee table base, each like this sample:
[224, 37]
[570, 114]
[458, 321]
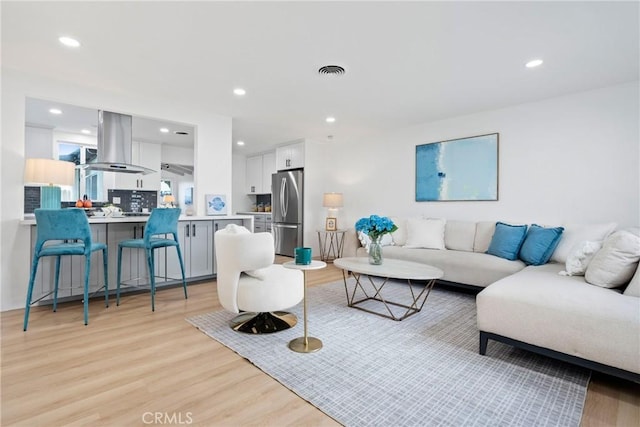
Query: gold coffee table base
[305, 344]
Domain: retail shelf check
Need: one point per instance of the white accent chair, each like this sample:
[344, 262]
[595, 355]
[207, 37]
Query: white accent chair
[249, 283]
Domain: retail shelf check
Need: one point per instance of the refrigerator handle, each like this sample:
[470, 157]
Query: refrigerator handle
[284, 201]
[274, 230]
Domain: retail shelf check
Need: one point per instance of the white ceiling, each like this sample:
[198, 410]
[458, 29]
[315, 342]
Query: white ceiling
[407, 62]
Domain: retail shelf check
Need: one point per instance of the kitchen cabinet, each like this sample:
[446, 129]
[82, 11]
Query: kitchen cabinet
[290, 156]
[262, 223]
[196, 244]
[259, 171]
[142, 154]
[71, 269]
[268, 169]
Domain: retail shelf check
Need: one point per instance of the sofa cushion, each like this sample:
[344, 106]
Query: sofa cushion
[400, 235]
[484, 234]
[580, 257]
[507, 240]
[460, 235]
[539, 244]
[576, 233]
[565, 314]
[469, 268]
[425, 233]
[633, 288]
[617, 261]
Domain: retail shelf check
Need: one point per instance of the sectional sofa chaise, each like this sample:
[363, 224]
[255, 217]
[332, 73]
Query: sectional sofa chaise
[552, 308]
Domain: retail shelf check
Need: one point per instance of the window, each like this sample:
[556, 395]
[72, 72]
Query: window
[89, 183]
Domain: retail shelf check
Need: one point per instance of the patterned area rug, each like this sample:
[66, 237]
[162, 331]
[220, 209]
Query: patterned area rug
[424, 370]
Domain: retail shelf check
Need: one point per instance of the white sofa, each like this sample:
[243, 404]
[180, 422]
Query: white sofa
[533, 307]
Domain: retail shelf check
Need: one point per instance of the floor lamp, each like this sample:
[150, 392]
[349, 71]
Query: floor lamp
[53, 173]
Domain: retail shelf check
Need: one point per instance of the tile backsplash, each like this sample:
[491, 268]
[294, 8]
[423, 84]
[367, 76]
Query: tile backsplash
[31, 199]
[129, 200]
[133, 200]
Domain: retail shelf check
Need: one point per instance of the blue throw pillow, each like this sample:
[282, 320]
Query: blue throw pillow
[540, 244]
[506, 240]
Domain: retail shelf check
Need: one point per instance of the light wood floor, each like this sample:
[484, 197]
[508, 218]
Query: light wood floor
[131, 365]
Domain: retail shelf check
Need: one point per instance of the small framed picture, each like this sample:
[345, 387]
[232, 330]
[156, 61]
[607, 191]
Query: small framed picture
[216, 204]
[331, 224]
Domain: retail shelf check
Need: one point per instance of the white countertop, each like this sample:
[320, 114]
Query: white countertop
[254, 213]
[144, 218]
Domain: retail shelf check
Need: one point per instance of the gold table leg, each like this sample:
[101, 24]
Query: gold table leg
[305, 344]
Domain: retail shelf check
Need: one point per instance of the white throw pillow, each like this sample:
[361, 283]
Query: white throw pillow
[365, 240]
[425, 233]
[580, 257]
[633, 288]
[460, 235]
[400, 235]
[616, 262]
[575, 233]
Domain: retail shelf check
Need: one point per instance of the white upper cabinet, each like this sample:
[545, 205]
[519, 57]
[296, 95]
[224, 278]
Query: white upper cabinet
[259, 171]
[290, 156]
[268, 169]
[254, 175]
[142, 154]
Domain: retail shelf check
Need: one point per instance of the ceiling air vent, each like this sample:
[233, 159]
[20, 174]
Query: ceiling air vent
[331, 70]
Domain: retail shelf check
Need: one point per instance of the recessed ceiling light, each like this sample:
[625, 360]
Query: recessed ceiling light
[239, 91]
[86, 131]
[55, 111]
[164, 130]
[68, 41]
[240, 143]
[330, 119]
[534, 63]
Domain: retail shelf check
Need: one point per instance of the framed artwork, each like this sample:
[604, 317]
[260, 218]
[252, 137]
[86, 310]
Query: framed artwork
[331, 224]
[464, 169]
[216, 204]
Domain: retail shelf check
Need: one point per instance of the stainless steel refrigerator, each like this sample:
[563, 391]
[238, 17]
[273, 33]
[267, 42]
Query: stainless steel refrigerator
[287, 205]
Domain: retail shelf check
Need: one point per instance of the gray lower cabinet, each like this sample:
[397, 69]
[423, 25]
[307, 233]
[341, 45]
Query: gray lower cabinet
[71, 269]
[262, 223]
[196, 244]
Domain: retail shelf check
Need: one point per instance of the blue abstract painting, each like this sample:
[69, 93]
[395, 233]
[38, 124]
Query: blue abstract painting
[459, 169]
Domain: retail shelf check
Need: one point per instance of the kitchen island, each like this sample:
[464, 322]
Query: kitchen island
[195, 233]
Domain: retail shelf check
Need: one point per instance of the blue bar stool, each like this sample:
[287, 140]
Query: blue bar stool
[161, 222]
[72, 227]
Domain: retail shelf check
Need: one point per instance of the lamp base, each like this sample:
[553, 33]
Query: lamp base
[50, 197]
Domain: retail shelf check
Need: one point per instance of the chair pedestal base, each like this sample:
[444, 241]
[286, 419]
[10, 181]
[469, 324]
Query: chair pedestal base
[263, 323]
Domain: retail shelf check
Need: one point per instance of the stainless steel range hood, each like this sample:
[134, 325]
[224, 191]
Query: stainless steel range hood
[114, 145]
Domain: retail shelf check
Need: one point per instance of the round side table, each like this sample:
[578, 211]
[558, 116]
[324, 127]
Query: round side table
[305, 344]
[331, 243]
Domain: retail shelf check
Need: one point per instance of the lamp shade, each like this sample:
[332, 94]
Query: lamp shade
[332, 200]
[49, 171]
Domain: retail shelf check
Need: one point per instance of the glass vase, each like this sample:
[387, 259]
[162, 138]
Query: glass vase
[375, 252]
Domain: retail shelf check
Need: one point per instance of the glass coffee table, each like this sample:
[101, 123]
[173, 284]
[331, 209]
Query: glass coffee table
[371, 280]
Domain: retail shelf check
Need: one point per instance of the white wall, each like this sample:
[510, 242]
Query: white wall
[570, 159]
[212, 147]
